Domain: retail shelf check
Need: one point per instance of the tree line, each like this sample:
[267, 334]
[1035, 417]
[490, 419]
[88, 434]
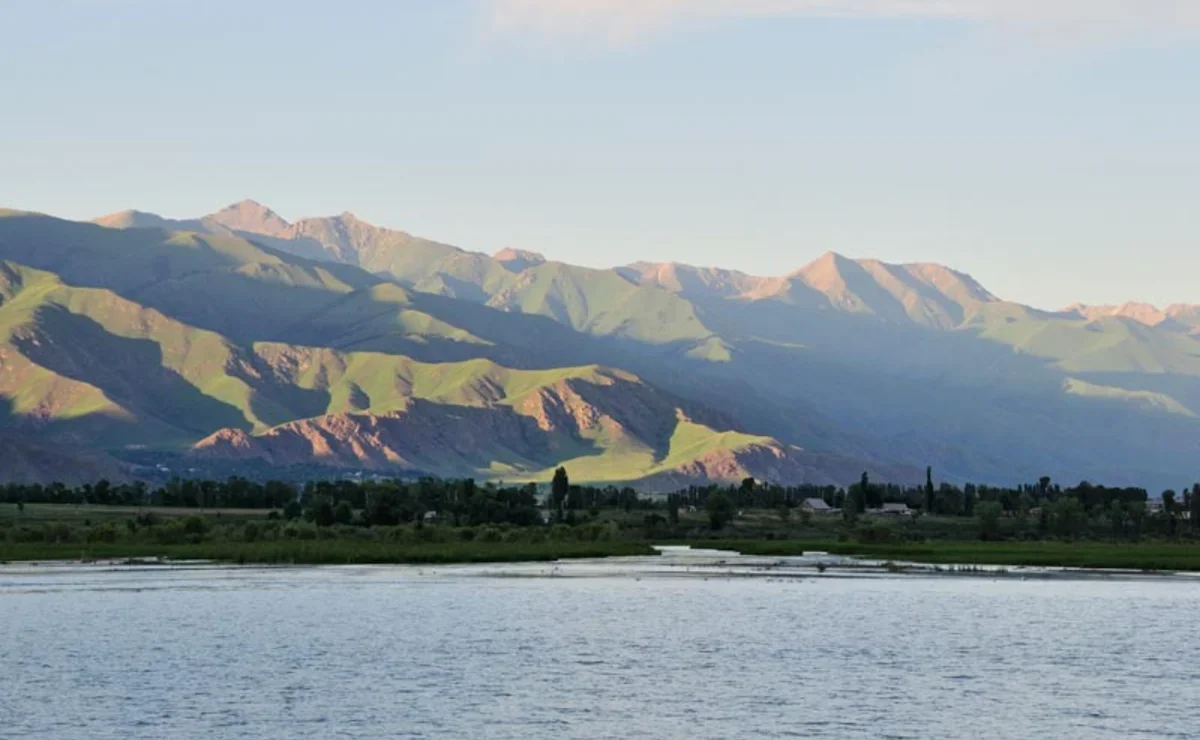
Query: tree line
[1042, 507]
[371, 503]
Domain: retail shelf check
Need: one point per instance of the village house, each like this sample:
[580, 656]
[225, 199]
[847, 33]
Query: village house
[816, 506]
[892, 509]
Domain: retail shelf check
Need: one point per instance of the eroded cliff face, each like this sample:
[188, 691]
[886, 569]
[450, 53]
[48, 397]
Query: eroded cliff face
[524, 434]
[425, 437]
[605, 416]
[767, 461]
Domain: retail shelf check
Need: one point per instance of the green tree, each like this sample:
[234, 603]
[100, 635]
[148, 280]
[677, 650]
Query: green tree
[1194, 508]
[720, 509]
[988, 513]
[343, 513]
[382, 506]
[194, 526]
[929, 493]
[860, 496]
[853, 504]
[1169, 508]
[574, 498]
[292, 510]
[1137, 517]
[872, 496]
[1116, 517]
[1067, 517]
[627, 499]
[560, 488]
[320, 511]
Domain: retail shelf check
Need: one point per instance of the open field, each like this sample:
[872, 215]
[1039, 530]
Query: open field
[46, 513]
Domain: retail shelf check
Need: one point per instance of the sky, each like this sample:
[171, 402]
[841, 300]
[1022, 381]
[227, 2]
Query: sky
[1051, 148]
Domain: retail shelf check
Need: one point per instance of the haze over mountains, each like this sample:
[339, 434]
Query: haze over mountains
[240, 336]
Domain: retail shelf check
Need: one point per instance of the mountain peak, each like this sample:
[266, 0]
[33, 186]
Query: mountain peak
[122, 219]
[249, 205]
[1143, 313]
[823, 269]
[518, 260]
[251, 216]
[831, 257]
[133, 219]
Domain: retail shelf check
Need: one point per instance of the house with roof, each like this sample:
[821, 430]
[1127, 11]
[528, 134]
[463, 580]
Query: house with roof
[816, 506]
[892, 509]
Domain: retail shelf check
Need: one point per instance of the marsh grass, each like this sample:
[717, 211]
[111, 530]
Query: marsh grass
[1156, 556]
[328, 552]
[67, 532]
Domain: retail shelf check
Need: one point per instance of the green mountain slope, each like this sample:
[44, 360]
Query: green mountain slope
[96, 367]
[597, 302]
[605, 426]
[890, 365]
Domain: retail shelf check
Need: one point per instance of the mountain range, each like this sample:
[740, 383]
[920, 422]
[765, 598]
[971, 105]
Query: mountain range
[243, 338]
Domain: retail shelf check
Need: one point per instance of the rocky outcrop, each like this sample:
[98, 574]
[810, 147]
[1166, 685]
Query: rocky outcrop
[773, 462]
[427, 437]
[518, 260]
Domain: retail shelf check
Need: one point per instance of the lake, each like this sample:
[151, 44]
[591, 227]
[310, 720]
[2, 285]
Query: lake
[590, 650]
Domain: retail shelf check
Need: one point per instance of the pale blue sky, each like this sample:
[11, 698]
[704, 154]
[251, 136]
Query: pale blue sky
[1055, 156]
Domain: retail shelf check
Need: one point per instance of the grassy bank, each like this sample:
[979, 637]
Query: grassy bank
[70, 532]
[1129, 556]
[327, 552]
[1148, 557]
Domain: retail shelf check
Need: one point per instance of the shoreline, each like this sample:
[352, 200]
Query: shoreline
[769, 559]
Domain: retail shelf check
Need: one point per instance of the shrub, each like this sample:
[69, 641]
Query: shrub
[24, 534]
[171, 533]
[106, 532]
[193, 525]
[875, 532]
[57, 532]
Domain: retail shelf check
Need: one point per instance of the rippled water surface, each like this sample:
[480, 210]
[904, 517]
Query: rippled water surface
[93, 652]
